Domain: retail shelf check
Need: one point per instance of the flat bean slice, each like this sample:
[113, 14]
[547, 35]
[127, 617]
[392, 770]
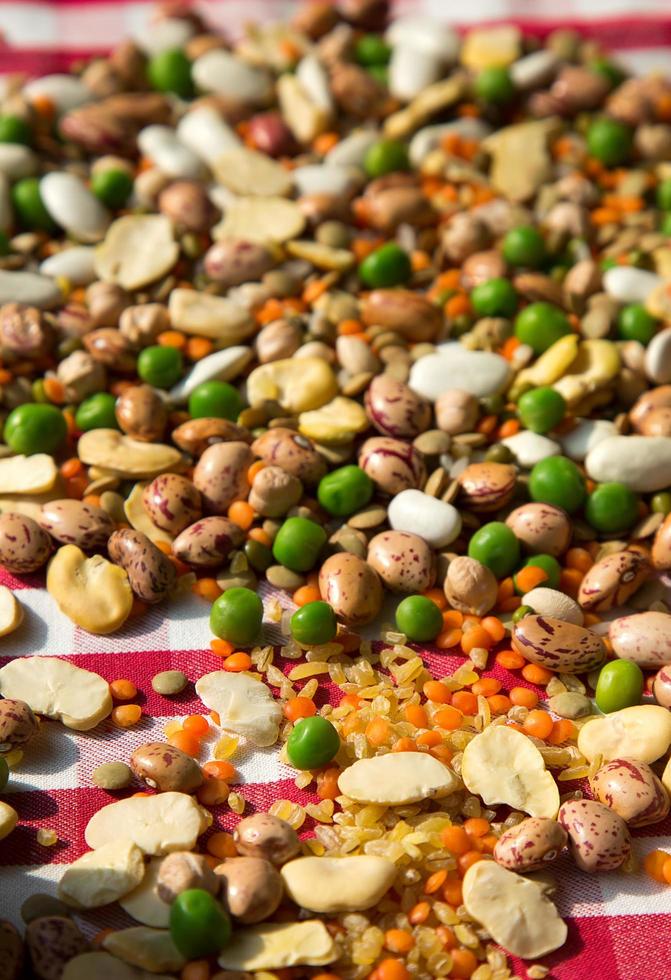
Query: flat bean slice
[58, 689]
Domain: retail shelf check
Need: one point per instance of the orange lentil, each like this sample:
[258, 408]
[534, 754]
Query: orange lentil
[419, 260]
[327, 784]
[404, 745]
[509, 659]
[666, 871]
[315, 289]
[222, 648]
[322, 976]
[523, 696]
[196, 725]
[347, 328]
[654, 863]
[325, 142]
[487, 425]
[350, 725]
[122, 689]
[499, 704]
[221, 844]
[419, 913]
[172, 338]
[465, 701]
[570, 581]
[299, 707]
[198, 347]
[529, 577]
[75, 487]
[399, 940]
[92, 499]
[450, 279]
[219, 770]
[477, 826]
[214, 715]
[71, 467]
[187, 742]
[453, 619]
[351, 700]
[436, 596]
[508, 428]
[456, 840]
[435, 882]
[5, 376]
[242, 514]
[258, 534]
[488, 843]
[126, 715]
[486, 686]
[206, 588]
[464, 963]
[494, 627]
[391, 969]
[448, 638]
[468, 859]
[305, 594]
[535, 674]
[562, 731]
[238, 662]
[538, 723]
[476, 637]
[416, 715]
[509, 347]
[449, 718]
[54, 390]
[506, 589]
[510, 605]
[378, 732]
[437, 691]
[458, 305]
[443, 753]
[430, 739]
[452, 893]
[578, 558]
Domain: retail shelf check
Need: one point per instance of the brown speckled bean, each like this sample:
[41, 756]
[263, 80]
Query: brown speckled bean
[395, 409]
[541, 528]
[24, 545]
[251, 888]
[266, 836]
[166, 768]
[18, 724]
[611, 581]
[404, 561]
[598, 837]
[392, 464]
[558, 645]
[141, 413]
[632, 790]
[530, 845]
[487, 486]
[181, 870]
[172, 502]
[52, 941]
[644, 638]
[661, 687]
[352, 587]
[150, 573]
[208, 542]
[74, 522]
[293, 452]
[196, 435]
[221, 475]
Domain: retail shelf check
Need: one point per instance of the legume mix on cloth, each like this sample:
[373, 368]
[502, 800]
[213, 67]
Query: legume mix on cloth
[353, 331]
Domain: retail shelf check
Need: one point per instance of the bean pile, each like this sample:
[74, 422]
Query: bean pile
[361, 310]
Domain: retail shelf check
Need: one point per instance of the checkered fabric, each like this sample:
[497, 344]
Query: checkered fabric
[619, 926]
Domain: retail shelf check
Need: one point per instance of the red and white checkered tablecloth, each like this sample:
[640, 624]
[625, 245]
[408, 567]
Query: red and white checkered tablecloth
[619, 926]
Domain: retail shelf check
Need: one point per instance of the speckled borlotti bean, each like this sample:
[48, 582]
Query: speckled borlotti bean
[352, 587]
[632, 790]
[24, 545]
[403, 561]
[530, 845]
[74, 522]
[392, 464]
[150, 573]
[487, 486]
[394, 408]
[18, 724]
[611, 581]
[166, 768]
[221, 475]
[208, 542]
[661, 687]
[644, 638]
[541, 528]
[172, 502]
[598, 837]
[558, 645]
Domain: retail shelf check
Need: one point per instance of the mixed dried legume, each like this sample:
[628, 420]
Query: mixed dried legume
[369, 312]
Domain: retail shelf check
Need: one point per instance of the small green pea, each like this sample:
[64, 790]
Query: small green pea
[495, 546]
[14, 129]
[496, 297]
[419, 618]
[160, 366]
[541, 409]
[199, 924]
[608, 70]
[609, 141]
[312, 743]
[635, 323]
[215, 399]
[540, 325]
[665, 226]
[661, 503]
[385, 157]
[620, 685]
[259, 556]
[494, 84]
[236, 616]
[524, 246]
[380, 73]
[550, 566]
[345, 490]
[663, 195]
[611, 507]
[170, 71]
[97, 412]
[113, 187]
[29, 207]
[315, 622]
[389, 265]
[521, 612]
[298, 542]
[34, 428]
[498, 453]
[557, 480]
[371, 50]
